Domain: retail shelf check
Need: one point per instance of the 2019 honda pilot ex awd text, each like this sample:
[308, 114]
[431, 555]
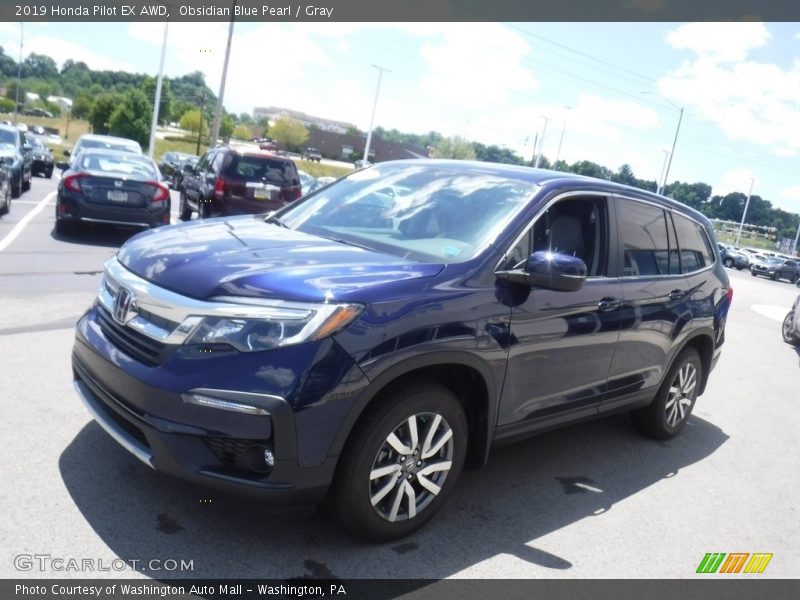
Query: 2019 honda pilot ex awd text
[363, 348]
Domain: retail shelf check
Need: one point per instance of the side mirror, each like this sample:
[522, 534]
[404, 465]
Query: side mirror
[27, 147]
[67, 153]
[549, 270]
[62, 166]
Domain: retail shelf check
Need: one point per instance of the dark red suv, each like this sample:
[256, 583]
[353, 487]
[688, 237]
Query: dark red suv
[230, 181]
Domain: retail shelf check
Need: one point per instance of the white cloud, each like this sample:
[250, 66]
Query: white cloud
[735, 180]
[476, 66]
[56, 48]
[788, 199]
[720, 42]
[750, 101]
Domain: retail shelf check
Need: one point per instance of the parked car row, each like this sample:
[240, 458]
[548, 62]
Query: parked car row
[761, 263]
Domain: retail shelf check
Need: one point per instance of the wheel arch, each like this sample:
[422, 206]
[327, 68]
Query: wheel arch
[703, 342]
[467, 376]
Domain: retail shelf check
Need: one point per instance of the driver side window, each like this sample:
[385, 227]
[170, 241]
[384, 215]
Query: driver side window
[576, 226]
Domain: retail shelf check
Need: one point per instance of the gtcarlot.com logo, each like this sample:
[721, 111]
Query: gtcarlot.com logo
[48, 562]
[734, 562]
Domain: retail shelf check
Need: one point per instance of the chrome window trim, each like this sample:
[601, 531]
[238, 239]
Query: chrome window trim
[185, 312]
[539, 214]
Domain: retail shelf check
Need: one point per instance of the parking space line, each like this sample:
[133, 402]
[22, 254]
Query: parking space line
[12, 235]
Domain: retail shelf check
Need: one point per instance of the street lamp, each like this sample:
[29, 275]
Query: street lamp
[541, 142]
[157, 100]
[372, 118]
[19, 72]
[661, 179]
[561, 141]
[218, 110]
[662, 187]
[744, 214]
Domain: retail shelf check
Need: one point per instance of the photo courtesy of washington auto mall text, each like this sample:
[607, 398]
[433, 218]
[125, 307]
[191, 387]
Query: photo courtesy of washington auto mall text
[264, 11]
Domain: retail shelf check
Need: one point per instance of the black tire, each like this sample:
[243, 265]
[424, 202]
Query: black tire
[776, 276]
[6, 202]
[49, 173]
[26, 185]
[655, 419]
[64, 227]
[753, 273]
[353, 490]
[787, 330]
[202, 209]
[184, 210]
[728, 262]
[795, 278]
[16, 187]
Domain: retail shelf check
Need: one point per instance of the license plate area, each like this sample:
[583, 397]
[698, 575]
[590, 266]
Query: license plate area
[117, 196]
[263, 191]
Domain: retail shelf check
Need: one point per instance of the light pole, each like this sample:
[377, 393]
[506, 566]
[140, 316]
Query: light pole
[661, 181]
[157, 100]
[372, 118]
[561, 141]
[744, 214]
[19, 72]
[218, 110]
[796, 237]
[541, 142]
[661, 188]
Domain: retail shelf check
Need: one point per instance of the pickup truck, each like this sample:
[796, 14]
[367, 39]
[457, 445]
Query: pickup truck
[312, 154]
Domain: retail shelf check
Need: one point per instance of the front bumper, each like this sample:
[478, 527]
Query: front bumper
[143, 407]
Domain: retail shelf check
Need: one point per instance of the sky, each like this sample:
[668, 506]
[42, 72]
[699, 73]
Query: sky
[614, 90]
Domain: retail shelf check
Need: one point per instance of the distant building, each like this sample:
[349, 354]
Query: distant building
[345, 146]
[64, 103]
[31, 97]
[273, 113]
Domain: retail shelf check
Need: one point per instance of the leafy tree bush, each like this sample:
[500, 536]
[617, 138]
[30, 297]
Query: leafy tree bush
[131, 118]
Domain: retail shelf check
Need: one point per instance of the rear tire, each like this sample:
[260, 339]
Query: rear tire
[776, 276]
[787, 330]
[26, 185]
[185, 211]
[667, 414]
[49, 173]
[64, 227]
[728, 263]
[401, 463]
[16, 187]
[795, 278]
[753, 273]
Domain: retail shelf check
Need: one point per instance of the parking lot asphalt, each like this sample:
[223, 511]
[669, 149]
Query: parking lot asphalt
[594, 500]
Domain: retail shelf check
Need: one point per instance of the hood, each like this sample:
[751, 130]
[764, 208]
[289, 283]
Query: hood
[244, 256]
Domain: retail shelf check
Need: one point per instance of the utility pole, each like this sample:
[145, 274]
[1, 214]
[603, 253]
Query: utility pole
[672, 152]
[744, 214]
[535, 143]
[560, 141]
[796, 237]
[157, 101]
[200, 126]
[372, 118]
[19, 71]
[661, 178]
[218, 109]
[541, 143]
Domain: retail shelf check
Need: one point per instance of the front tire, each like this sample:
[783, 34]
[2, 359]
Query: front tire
[728, 262]
[49, 172]
[667, 414]
[401, 463]
[776, 276]
[26, 185]
[787, 330]
[16, 187]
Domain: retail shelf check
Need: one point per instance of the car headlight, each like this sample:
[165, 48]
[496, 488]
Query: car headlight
[272, 325]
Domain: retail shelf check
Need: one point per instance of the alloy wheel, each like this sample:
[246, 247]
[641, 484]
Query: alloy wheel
[681, 394]
[411, 466]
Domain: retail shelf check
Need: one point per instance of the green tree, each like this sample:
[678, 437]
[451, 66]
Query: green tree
[100, 114]
[165, 105]
[454, 147]
[131, 118]
[226, 126]
[289, 133]
[82, 106]
[496, 154]
[190, 120]
[39, 66]
[6, 105]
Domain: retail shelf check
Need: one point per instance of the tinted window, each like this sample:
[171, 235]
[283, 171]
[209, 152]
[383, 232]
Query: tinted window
[261, 168]
[696, 252]
[8, 137]
[645, 240]
[577, 227]
[130, 164]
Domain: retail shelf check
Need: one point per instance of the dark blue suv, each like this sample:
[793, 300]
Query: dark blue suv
[367, 342]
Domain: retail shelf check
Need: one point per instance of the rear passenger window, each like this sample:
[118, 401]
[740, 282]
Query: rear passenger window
[645, 240]
[693, 242]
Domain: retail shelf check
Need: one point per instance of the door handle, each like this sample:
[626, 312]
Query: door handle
[676, 294]
[609, 303]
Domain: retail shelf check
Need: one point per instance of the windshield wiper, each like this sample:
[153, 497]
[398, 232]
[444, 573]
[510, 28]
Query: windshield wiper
[348, 243]
[275, 221]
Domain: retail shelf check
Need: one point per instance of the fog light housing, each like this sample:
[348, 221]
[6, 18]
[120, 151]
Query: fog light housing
[259, 458]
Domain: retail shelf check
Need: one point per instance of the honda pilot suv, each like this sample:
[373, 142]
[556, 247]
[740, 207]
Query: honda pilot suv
[362, 347]
[228, 181]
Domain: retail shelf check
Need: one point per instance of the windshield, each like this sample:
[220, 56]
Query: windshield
[117, 163]
[108, 145]
[436, 213]
[8, 137]
[773, 261]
